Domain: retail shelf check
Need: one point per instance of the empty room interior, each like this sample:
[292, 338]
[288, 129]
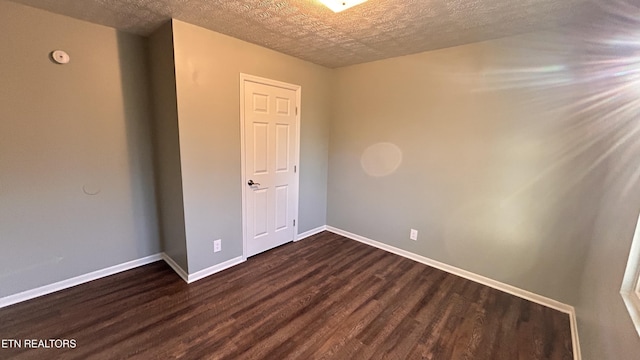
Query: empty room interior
[287, 179]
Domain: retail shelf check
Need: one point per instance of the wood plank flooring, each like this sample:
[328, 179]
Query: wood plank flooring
[326, 297]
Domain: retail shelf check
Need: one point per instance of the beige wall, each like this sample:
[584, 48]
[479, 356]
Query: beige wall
[208, 67]
[62, 128]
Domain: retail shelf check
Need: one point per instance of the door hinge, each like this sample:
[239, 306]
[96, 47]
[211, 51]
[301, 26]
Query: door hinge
[295, 168]
[294, 222]
[296, 110]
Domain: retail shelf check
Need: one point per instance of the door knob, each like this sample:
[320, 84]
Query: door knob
[251, 183]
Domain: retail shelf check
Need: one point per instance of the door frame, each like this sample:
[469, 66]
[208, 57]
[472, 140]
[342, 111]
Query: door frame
[298, 89]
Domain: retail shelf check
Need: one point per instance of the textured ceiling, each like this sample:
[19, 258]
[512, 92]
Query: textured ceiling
[375, 30]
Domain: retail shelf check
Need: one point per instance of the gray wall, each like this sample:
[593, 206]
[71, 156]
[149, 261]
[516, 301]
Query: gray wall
[62, 128]
[474, 146]
[604, 325]
[208, 67]
[484, 174]
[167, 145]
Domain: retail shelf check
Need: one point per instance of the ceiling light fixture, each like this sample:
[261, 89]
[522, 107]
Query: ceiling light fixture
[339, 5]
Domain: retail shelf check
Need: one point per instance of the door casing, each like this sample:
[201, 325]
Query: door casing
[298, 89]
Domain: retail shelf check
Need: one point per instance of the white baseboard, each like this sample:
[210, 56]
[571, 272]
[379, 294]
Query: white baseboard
[94, 275]
[177, 268]
[65, 284]
[311, 232]
[521, 293]
[214, 269]
[575, 341]
[189, 278]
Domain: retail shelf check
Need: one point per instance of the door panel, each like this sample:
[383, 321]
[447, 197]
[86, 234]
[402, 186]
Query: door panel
[260, 148]
[270, 123]
[261, 211]
[260, 103]
[282, 147]
[283, 106]
[282, 201]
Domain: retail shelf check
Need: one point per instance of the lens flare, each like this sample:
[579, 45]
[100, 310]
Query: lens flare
[590, 72]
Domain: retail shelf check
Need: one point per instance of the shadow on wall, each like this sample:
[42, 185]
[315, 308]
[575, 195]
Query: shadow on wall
[135, 80]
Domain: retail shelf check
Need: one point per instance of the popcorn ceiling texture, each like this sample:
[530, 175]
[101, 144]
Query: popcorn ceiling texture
[306, 29]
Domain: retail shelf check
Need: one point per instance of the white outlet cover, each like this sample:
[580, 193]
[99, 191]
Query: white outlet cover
[413, 234]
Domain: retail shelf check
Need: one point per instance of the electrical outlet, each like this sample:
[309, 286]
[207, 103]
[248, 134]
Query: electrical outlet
[217, 245]
[413, 235]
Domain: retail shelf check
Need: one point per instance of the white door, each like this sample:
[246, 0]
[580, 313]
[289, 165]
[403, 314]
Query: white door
[270, 123]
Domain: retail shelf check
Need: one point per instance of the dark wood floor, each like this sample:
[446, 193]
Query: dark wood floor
[326, 297]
